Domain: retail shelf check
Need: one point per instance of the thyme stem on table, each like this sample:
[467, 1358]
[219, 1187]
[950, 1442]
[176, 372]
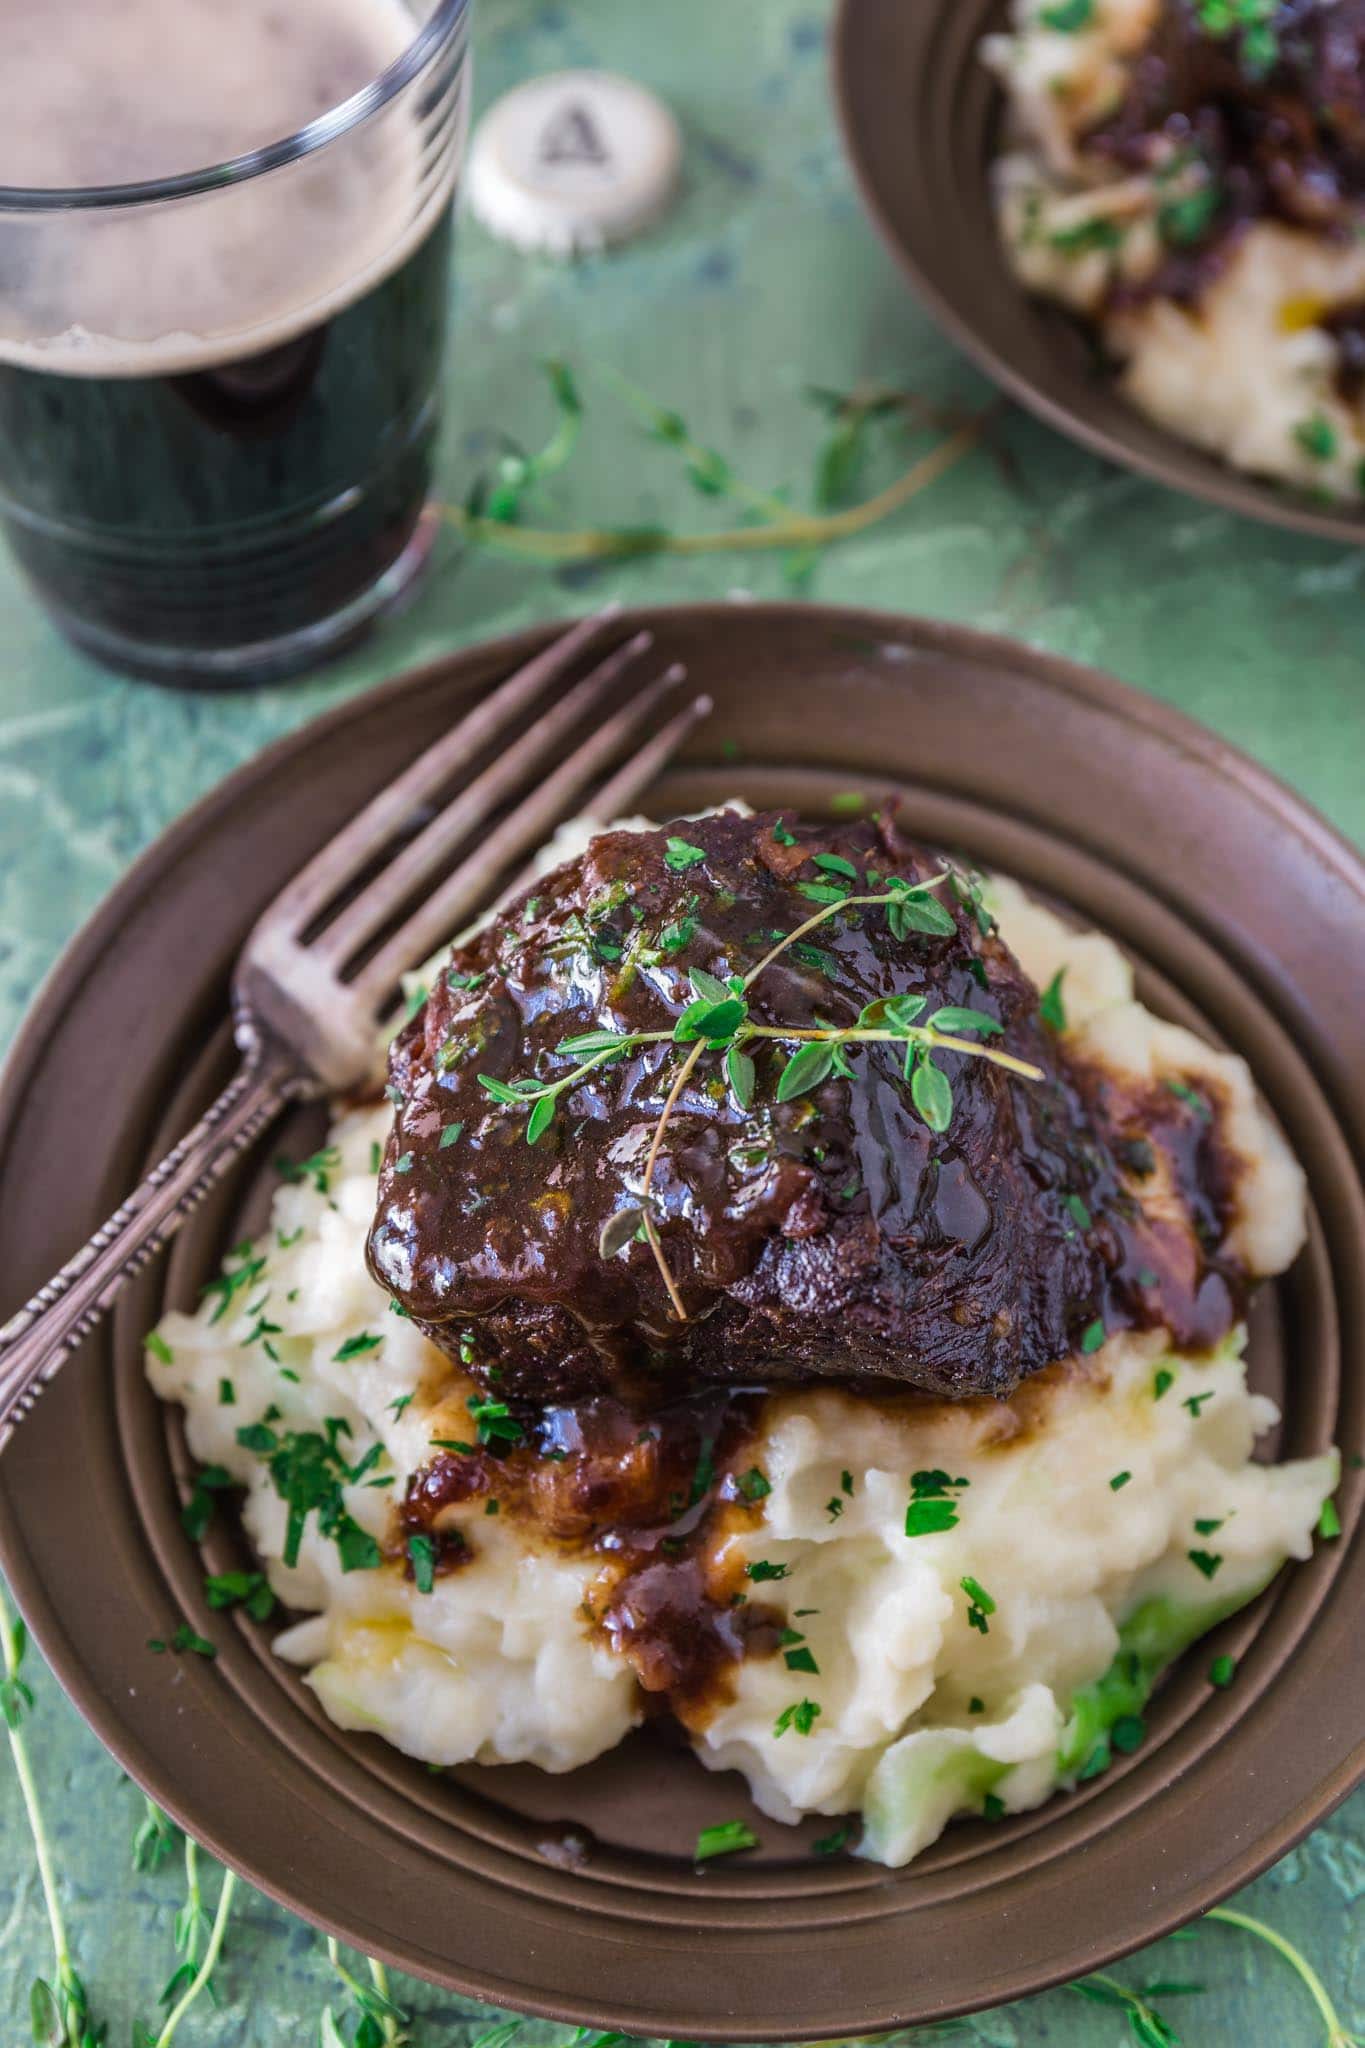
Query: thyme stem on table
[199, 1982]
[812, 530]
[381, 2023]
[1337, 2036]
[491, 516]
[60, 2011]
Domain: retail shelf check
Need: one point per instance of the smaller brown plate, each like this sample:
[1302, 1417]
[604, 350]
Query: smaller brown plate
[921, 118]
[1245, 916]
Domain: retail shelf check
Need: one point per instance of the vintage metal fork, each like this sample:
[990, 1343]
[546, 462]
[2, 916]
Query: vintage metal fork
[306, 1017]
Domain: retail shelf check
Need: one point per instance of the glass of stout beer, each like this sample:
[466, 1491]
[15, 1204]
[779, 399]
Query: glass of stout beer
[224, 255]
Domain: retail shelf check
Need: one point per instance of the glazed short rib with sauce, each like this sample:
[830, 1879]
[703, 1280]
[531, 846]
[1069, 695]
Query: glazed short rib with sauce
[883, 1210]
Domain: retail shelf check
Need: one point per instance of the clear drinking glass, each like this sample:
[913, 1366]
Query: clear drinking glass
[219, 391]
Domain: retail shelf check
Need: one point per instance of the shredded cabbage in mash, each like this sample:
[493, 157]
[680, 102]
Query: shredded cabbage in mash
[1075, 1539]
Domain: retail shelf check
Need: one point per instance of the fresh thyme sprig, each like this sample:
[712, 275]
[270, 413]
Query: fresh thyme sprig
[718, 1021]
[1148, 2027]
[202, 1978]
[1336, 2035]
[60, 2009]
[379, 2023]
[154, 1840]
[491, 514]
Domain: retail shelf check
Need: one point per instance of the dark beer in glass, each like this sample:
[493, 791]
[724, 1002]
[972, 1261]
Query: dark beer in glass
[224, 277]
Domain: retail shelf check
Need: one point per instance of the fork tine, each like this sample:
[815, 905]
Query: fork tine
[466, 890]
[505, 777]
[614, 798]
[309, 893]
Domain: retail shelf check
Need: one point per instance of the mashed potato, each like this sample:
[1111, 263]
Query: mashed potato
[974, 1654]
[1246, 370]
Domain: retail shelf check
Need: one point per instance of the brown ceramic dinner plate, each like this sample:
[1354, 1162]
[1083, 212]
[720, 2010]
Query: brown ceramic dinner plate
[922, 119]
[1245, 915]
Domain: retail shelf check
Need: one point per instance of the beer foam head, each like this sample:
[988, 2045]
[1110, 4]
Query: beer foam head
[100, 92]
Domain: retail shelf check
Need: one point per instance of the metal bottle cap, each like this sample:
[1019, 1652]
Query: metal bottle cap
[573, 161]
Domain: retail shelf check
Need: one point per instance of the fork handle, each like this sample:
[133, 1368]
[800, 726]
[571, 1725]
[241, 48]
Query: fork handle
[36, 1341]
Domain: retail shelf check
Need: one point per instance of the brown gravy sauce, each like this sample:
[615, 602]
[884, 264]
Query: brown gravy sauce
[650, 1495]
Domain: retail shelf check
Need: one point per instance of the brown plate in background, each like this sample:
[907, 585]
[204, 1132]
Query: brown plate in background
[1246, 915]
[921, 119]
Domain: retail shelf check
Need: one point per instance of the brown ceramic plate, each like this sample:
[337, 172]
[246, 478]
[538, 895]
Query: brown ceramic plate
[921, 120]
[1246, 915]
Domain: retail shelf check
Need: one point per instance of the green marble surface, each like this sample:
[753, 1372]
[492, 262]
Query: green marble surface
[764, 279]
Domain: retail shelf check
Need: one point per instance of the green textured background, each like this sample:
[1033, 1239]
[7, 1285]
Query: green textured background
[765, 278]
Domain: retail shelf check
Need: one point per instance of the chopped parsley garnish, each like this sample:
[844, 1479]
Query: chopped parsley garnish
[1194, 1402]
[1128, 1733]
[992, 1807]
[1191, 1097]
[801, 1715]
[494, 1422]
[376, 1155]
[422, 1556]
[1329, 1521]
[802, 1658]
[752, 1485]
[782, 835]
[830, 1845]
[1205, 1561]
[158, 1347]
[285, 1243]
[725, 1838]
[449, 1135]
[308, 1472]
[492, 1507]
[679, 855]
[930, 1517]
[1184, 221]
[185, 1638]
[241, 1589]
[1222, 1671]
[1099, 232]
[704, 1475]
[932, 1510]
[403, 1163]
[761, 1570]
[227, 1394]
[1119, 1481]
[398, 1404]
[1079, 1215]
[976, 1706]
[318, 1167]
[1092, 1336]
[1209, 1526]
[1068, 17]
[846, 1483]
[1317, 437]
[981, 1606]
[234, 1280]
[452, 1443]
[356, 1347]
[1162, 1381]
[834, 1507]
[195, 1515]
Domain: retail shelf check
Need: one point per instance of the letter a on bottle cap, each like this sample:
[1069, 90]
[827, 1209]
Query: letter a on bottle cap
[574, 161]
